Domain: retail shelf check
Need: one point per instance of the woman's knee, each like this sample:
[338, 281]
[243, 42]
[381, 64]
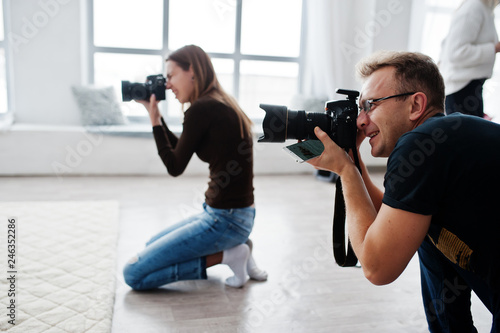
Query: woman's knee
[131, 274]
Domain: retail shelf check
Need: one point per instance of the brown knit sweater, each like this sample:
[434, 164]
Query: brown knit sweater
[212, 131]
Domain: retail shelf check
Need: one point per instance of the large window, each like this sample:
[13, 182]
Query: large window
[254, 45]
[4, 103]
[436, 26]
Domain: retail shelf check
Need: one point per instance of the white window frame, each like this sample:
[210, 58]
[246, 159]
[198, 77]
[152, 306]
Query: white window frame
[236, 55]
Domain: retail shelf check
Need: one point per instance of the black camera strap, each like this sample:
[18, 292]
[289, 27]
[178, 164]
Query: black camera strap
[345, 257]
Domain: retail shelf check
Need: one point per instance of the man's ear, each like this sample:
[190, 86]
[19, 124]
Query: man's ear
[419, 106]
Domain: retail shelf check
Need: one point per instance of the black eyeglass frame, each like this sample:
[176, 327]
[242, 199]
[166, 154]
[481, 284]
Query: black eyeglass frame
[367, 104]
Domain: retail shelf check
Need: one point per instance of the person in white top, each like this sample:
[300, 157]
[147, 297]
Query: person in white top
[468, 56]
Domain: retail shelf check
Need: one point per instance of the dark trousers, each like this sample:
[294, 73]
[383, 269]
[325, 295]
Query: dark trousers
[446, 291]
[468, 100]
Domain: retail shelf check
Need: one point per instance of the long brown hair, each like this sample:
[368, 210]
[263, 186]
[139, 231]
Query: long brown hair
[206, 83]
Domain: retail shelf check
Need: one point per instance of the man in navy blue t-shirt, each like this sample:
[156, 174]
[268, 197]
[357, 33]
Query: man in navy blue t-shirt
[439, 190]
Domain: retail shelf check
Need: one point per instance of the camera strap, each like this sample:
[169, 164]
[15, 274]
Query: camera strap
[345, 257]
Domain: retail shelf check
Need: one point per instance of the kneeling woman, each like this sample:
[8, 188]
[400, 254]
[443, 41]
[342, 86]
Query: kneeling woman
[219, 132]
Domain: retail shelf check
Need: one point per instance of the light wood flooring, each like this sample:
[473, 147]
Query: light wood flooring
[306, 291]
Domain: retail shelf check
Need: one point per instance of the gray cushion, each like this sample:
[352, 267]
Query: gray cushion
[98, 106]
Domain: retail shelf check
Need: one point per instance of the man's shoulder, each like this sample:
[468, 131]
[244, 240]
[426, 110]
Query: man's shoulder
[451, 133]
[456, 122]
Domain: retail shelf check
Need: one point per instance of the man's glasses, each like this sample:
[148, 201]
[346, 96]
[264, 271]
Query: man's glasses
[366, 105]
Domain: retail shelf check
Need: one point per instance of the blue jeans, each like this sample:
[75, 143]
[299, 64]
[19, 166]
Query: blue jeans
[178, 252]
[446, 291]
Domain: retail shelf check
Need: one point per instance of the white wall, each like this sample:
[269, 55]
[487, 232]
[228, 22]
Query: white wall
[340, 33]
[47, 58]
[391, 25]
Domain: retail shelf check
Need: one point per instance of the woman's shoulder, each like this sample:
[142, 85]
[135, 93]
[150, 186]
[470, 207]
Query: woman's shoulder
[207, 106]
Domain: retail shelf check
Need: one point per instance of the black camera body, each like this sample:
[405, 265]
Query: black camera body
[155, 84]
[338, 121]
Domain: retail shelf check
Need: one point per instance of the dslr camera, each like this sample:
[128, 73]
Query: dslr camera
[338, 121]
[155, 84]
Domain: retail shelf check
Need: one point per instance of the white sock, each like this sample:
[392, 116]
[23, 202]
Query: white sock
[236, 258]
[254, 272]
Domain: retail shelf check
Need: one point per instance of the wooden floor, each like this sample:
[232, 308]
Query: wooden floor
[306, 291]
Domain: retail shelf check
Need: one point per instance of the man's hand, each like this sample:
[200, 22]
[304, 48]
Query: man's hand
[333, 157]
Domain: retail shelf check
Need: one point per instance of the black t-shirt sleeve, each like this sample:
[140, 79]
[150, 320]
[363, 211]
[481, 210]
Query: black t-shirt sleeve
[416, 174]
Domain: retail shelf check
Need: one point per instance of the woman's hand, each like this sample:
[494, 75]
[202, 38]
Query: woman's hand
[153, 110]
[333, 157]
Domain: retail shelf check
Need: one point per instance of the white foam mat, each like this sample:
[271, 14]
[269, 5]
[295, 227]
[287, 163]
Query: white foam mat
[60, 273]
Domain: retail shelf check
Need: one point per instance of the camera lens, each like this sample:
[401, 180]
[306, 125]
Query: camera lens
[126, 96]
[281, 124]
[274, 124]
[137, 91]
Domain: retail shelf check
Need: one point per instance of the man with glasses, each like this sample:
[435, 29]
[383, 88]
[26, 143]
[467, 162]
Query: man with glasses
[437, 197]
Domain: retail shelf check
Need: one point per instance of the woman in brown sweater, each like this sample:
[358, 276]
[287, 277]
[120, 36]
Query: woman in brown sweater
[219, 132]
